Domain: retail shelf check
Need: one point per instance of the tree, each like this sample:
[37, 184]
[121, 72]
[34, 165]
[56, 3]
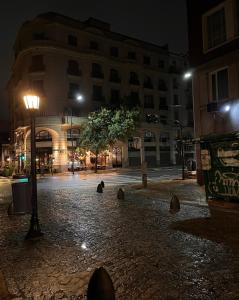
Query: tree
[104, 127]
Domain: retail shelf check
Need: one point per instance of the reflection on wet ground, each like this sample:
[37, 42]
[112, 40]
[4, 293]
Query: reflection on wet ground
[149, 252]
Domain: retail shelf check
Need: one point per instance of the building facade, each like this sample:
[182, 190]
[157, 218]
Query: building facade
[64, 60]
[214, 57]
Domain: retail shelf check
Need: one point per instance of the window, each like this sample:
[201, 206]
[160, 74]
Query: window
[37, 64]
[175, 83]
[162, 85]
[94, 45]
[216, 28]
[114, 97]
[72, 40]
[73, 133]
[219, 85]
[38, 87]
[163, 103]
[39, 36]
[161, 64]
[176, 115]
[114, 51]
[164, 137]
[74, 89]
[163, 119]
[97, 71]
[134, 78]
[148, 83]
[175, 100]
[97, 93]
[152, 118]
[149, 137]
[134, 144]
[43, 136]
[146, 60]
[114, 76]
[148, 101]
[73, 68]
[134, 99]
[190, 122]
[131, 55]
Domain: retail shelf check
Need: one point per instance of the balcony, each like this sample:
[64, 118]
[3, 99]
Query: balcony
[148, 85]
[97, 75]
[134, 81]
[163, 107]
[115, 79]
[174, 70]
[162, 87]
[74, 72]
[37, 68]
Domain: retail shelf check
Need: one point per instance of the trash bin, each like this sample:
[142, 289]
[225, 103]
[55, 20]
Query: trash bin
[21, 195]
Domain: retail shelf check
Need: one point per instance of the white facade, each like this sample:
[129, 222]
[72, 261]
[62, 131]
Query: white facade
[60, 58]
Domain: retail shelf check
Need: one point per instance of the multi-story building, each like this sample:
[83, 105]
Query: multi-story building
[4, 143]
[61, 58]
[214, 56]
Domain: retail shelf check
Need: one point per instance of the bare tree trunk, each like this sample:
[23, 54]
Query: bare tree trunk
[96, 159]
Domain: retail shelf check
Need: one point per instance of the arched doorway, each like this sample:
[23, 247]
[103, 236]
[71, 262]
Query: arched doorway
[44, 158]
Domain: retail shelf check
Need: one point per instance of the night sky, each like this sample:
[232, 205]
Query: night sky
[156, 21]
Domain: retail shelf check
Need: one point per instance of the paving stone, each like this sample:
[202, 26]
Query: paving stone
[149, 253]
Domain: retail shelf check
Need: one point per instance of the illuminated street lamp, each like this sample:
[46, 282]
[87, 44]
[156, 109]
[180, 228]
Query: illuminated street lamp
[187, 75]
[79, 98]
[31, 102]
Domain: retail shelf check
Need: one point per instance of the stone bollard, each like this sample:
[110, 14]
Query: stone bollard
[102, 184]
[120, 194]
[174, 204]
[144, 180]
[100, 286]
[99, 188]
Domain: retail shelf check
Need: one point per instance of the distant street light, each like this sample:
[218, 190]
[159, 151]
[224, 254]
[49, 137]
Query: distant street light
[32, 105]
[79, 98]
[180, 126]
[187, 75]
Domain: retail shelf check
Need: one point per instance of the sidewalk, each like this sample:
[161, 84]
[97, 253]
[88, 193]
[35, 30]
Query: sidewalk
[188, 191]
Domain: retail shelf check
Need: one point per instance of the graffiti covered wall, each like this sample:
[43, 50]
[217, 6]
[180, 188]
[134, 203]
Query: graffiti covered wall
[220, 164]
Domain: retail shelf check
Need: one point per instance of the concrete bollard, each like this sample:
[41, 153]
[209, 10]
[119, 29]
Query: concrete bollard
[174, 204]
[100, 286]
[120, 194]
[144, 180]
[102, 184]
[99, 188]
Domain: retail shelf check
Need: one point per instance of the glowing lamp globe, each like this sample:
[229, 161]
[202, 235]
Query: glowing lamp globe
[31, 102]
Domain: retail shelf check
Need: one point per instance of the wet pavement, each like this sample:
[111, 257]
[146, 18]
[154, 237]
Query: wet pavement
[148, 252]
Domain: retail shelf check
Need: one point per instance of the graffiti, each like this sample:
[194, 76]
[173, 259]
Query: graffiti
[225, 184]
[206, 160]
[228, 158]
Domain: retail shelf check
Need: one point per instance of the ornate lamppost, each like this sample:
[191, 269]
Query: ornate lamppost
[31, 102]
[79, 98]
[180, 126]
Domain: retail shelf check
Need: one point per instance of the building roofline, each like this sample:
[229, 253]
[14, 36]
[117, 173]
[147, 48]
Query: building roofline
[96, 23]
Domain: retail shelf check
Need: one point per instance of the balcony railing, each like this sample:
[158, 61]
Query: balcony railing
[97, 75]
[134, 81]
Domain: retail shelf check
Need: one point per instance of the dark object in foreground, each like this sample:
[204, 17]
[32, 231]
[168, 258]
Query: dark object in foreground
[120, 194]
[174, 205]
[100, 286]
[99, 188]
[102, 184]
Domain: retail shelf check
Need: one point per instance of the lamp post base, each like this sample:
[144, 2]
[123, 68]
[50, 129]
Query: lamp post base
[34, 230]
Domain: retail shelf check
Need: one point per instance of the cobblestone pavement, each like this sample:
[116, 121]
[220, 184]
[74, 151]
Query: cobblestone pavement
[148, 252]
